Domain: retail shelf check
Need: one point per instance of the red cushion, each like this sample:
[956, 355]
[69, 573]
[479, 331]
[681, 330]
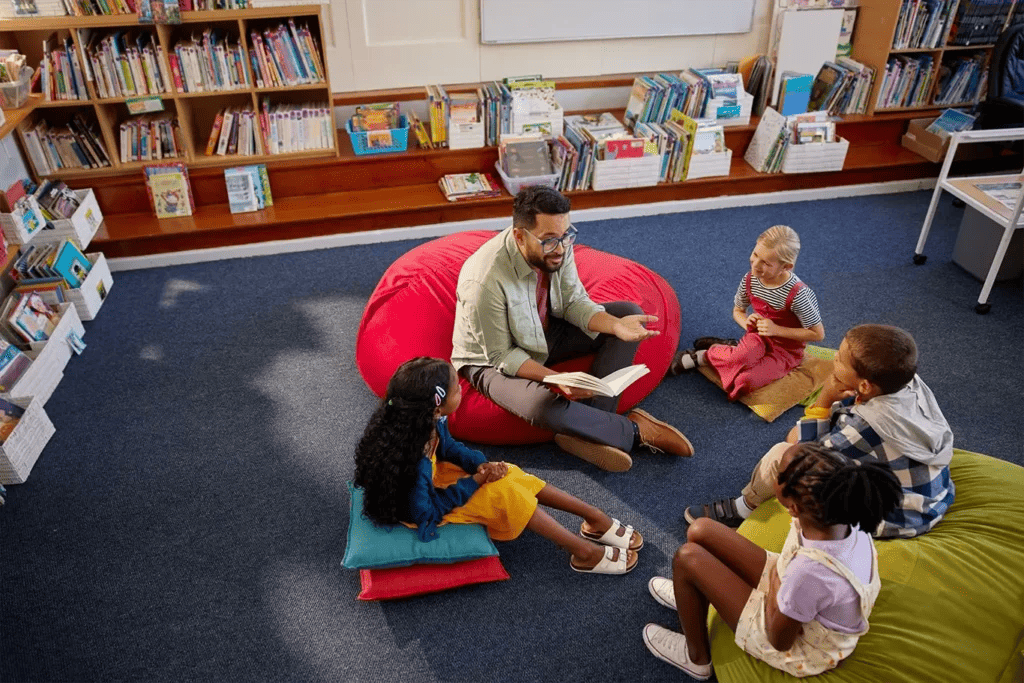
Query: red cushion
[412, 313]
[402, 582]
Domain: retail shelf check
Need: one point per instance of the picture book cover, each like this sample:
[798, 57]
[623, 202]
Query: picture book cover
[169, 191]
[72, 265]
[242, 196]
[623, 149]
[32, 318]
[10, 415]
[13, 364]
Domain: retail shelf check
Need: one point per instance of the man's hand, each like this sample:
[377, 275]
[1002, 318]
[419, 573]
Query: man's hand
[631, 328]
[575, 393]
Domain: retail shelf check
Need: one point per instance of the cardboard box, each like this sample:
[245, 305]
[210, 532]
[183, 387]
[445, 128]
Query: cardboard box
[929, 145]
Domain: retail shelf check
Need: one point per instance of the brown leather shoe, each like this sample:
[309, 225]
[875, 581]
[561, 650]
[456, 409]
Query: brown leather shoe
[608, 458]
[660, 436]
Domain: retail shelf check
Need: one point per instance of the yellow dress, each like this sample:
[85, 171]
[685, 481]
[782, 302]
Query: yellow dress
[504, 506]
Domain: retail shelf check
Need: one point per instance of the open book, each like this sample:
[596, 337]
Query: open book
[612, 385]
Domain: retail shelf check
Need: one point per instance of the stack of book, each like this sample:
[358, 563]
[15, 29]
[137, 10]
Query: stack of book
[979, 22]
[759, 82]
[86, 8]
[842, 87]
[56, 200]
[124, 69]
[236, 131]
[60, 71]
[50, 269]
[962, 79]
[906, 82]
[285, 56]
[674, 141]
[209, 64]
[466, 128]
[653, 97]
[811, 127]
[420, 131]
[298, 127]
[922, 23]
[437, 103]
[586, 132]
[76, 145]
[248, 188]
[460, 186]
[497, 106]
[534, 108]
[380, 116]
[697, 93]
[146, 139]
[170, 192]
[768, 146]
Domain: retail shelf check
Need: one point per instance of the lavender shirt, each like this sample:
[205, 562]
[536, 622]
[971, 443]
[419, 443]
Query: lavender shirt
[810, 590]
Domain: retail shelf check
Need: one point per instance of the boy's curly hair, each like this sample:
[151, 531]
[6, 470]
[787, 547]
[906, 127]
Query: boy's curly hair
[394, 440]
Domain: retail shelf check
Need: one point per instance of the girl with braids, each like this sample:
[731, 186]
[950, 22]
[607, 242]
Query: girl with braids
[801, 610]
[413, 472]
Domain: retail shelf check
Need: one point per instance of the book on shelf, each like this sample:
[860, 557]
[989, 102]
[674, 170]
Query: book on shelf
[525, 156]
[767, 146]
[757, 73]
[906, 82]
[437, 107]
[213, 62]
[380, 116]
[674, 139]
[296, 127]
[13, 364]
[71, 264]
[76, 145]
[979, 22]
[419, 130]
[248, 188]
[609, 385]
[10, 415]
[60, 72]
[148, 138]
[951, 121]
[845, 44]
[169, 190]
[31, 318]
[56, 199]
[794, 92]
[962, 79]
[460, 186]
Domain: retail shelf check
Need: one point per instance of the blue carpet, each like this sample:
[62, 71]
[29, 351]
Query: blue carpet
[187, 520]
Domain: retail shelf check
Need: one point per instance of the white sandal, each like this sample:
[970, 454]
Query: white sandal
[607, 565]
[612, 537]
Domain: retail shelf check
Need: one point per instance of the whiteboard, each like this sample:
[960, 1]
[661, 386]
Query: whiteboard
[533, 21]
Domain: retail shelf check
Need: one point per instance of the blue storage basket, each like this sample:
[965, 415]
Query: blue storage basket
[399, 139]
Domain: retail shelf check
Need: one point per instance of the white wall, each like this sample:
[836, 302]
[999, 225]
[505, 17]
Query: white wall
[398, 43]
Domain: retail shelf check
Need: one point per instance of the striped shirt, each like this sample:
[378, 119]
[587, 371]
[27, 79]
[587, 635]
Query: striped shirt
[805, 304]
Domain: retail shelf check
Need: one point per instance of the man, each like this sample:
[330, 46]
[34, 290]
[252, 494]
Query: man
[522, 308]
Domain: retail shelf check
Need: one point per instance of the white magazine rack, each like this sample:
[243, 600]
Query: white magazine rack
[816, 157]
[709, 165]
[613, 174]
[49, 358]
[21, 448]
[89, 297]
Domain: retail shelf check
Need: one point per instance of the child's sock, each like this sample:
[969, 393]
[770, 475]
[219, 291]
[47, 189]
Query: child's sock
[686, 361]
[742, 508]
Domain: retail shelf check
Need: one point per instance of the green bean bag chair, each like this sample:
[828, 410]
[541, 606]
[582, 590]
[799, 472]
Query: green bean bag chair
[952, 601]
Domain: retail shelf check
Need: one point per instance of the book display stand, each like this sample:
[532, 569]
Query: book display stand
[196, 111]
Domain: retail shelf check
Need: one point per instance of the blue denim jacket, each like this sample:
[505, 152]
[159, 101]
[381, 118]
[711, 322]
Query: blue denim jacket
[427, 504]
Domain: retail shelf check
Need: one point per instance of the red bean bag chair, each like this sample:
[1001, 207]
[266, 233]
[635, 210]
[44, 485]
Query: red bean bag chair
[412, 313]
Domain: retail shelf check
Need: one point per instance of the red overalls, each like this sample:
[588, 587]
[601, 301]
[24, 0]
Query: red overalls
[758, 361]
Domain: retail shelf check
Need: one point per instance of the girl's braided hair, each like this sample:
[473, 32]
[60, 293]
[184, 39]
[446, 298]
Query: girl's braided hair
[834, 489]
[395, 439]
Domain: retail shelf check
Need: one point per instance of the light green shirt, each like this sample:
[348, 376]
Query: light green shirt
[496, 319]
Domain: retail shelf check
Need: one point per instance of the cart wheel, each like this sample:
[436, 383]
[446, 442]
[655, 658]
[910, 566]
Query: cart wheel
[919, 259]
[982, 309]
[958, 203]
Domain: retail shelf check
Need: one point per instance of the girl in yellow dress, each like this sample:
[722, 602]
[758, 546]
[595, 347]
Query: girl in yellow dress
[412, 471]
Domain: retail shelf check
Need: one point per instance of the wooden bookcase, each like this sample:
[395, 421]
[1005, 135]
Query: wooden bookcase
[873, 46]
[195, 111]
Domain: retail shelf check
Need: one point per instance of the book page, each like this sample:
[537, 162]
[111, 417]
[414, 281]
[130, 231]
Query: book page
[579, 380]
[620, 379]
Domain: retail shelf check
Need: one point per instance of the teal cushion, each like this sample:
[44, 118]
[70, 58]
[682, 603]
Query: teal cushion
[371, 546]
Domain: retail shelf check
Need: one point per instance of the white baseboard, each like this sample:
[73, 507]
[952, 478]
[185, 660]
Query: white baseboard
[578, 216]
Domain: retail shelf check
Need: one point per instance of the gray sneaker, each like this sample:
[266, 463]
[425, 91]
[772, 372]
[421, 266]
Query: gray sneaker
[669, 646]
[663, 591]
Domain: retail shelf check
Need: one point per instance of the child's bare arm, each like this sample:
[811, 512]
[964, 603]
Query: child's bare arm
[740, 316]
[767, 328]
[781, 630]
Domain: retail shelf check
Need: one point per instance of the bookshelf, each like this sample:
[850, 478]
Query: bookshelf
[873, 42]
[195, 111]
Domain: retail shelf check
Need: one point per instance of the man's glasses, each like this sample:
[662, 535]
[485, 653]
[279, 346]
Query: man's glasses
[551, 243]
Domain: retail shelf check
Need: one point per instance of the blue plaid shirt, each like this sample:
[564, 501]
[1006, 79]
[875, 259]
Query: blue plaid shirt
[928, 490]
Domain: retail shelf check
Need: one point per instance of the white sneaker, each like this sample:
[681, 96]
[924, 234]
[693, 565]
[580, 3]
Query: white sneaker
[669, 646]
[663, 591]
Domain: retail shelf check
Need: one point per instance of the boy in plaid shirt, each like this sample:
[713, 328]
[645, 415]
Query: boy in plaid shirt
[873, 405]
